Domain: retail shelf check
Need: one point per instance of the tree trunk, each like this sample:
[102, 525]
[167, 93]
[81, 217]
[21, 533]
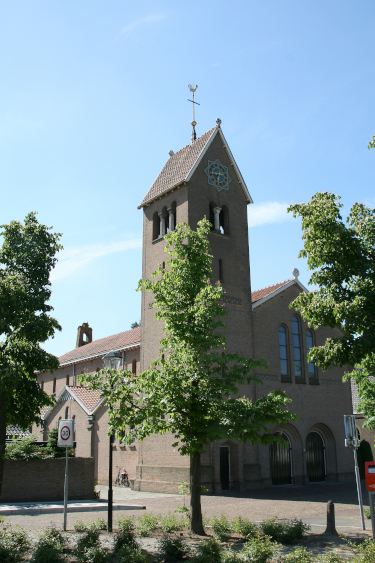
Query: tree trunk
[3, 430]
[196, 525]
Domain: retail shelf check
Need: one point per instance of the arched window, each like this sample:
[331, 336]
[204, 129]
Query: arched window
[155, 226]
[281, 461]
[283, 351]
[165, 215]
[221, 276]
[212, 215]
[42, 386]
[224, 220]
[296, 347]
[309, 345]
[54, 386]
[134, 367]
[67, 380]
[66, 413]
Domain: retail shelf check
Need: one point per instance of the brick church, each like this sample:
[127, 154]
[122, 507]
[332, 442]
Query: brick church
[203, 179]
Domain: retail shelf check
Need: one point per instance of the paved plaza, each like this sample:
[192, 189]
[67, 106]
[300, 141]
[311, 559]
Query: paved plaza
[307, 503]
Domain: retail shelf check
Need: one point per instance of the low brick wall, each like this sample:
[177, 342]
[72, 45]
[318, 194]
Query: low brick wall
[43, 480]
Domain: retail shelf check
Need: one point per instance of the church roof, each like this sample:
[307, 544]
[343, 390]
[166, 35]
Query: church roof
[90, 400]
[121, 341]
[180, 167]
[259, 296]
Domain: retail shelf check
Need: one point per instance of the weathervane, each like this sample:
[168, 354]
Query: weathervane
[193, 90]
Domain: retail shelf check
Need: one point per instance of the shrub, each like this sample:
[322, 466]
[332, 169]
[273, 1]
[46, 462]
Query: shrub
[25, 449]
[367, 512]
[79, 526]
[45, 553]
[229, 556]
[173, 548]
[329, 558]
[299, 555]
[13, 543]
[94, 554]
[258, 549]
[172, 523]
[88, 549]
[54, 538]
[125, 524]
[128, 554]
[220, 527]
[366, 552]
[209, 551]
[52, 448]
[244, 527]
[284, 532]
[95, 525]
[146, 524]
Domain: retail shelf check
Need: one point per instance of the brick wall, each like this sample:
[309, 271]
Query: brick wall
[43, 480]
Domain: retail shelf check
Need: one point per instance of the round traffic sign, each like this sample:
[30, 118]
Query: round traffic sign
[65, 433]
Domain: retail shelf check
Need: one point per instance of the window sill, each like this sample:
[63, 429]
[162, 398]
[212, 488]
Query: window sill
[214, 232]
[314, 381]
[300, 381]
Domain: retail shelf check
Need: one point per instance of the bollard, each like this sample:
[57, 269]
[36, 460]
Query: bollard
[331, 526]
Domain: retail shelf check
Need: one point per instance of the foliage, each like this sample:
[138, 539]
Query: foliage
[52, 447]
[244, 527]
[365, 552]
[171, 523]
[364, 453]
[129, 554]
[135, 324]
[367, 512]
[220, 527]
[209, 551]
[45, 553]
[88, 549]
[371, 144]
[299, 555]
[329, 557]
[190, 389]
[24, 449]
[125, 524]
[146, 524]
[258, 549]
[284, 531]
[173, 548]
[27, 256]
[342, 259]
[13, 543]
[79, 526]
[94, 525]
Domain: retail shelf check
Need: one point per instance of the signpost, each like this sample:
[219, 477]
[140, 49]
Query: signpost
[351, 441]
[66, 440]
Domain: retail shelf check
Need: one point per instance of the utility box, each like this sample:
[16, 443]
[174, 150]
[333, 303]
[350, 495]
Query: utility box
[370, 475]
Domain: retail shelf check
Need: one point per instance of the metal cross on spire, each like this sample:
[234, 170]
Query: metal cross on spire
[193, 90]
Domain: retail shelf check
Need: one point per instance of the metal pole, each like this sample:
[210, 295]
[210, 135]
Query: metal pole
[359, 491]
[66, 488]
[110, 491]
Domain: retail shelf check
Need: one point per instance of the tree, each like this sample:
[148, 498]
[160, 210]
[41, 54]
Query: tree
[342, 258]
[371, 144]
[135, 324]
[27, 256]
[191, 389]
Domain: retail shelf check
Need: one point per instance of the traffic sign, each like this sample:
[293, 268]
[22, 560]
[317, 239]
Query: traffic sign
[66, 434]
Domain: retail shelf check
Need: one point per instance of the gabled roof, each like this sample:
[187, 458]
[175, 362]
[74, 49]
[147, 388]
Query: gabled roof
[261, 295]
[89, 400]
[15, 431]
[180, 167]
[118, 342]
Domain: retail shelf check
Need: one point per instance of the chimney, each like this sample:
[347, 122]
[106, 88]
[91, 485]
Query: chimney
[84, 335]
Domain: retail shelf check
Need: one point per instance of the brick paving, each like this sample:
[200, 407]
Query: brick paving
[306, 503]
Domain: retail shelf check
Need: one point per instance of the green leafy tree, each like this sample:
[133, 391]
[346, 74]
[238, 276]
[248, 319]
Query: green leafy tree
[27, 256]
[371, 144]
[341, 256]
[191, 389]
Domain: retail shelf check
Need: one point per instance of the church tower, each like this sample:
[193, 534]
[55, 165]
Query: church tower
[202, 179]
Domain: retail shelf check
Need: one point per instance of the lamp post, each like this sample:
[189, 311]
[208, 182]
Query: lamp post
[111, 360]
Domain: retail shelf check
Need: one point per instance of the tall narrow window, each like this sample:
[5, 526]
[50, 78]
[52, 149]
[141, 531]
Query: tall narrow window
[309, 345]
[134, 367]
[296, 347]
[54, 386]
[221, 277]
[42, 386]
[66, 413]
[67, 380]
[283, 351]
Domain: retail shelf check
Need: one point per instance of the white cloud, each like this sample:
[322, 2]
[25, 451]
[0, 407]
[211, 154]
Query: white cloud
[267, 212]
[150, 19]
[73, 259]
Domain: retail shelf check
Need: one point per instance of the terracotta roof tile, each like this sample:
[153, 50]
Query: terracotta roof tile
[260, 293]
[178, 166]
[88, 397]
[97, 347]
[16, 431]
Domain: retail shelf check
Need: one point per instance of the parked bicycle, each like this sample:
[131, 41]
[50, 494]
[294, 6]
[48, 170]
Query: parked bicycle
[122, 479]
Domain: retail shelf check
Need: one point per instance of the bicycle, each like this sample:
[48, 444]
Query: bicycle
[122, 479]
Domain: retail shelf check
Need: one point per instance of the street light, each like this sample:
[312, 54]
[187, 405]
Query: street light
[112, 360]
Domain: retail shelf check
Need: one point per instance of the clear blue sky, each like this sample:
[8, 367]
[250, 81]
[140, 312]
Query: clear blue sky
[93, 95]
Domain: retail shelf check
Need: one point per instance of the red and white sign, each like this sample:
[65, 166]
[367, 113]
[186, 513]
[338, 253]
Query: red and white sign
[66, 435]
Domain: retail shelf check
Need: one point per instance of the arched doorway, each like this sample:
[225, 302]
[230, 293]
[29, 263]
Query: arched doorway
[316, 457]
[281, 462]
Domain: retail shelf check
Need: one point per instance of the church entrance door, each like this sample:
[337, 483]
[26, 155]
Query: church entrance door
[315, 457]
[224, 468]
[281, 462]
